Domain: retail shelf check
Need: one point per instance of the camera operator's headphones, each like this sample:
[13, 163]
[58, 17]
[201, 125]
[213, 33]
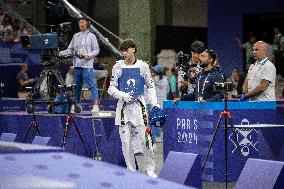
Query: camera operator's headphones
[86, 19]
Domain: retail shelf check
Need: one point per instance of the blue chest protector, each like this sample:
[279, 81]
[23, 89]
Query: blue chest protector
[131, 82]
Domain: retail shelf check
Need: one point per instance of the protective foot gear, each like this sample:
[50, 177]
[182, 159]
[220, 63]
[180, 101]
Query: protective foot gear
[157, 117]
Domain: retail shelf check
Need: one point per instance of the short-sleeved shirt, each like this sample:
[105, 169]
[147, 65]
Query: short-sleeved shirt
[259, 71]
[24, 77]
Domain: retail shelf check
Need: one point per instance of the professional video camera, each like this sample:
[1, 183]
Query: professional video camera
[184, 63]
[227, 86]
[48, 43]
[63, 30]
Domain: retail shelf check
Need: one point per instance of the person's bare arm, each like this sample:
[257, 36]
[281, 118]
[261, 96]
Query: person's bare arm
[27, 82]
[239, 43]
[259, 89]
[245, 86]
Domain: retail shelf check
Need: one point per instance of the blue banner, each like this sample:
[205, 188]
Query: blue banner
[191, 128]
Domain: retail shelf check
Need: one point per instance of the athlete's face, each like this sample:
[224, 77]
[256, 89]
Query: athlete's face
[128, 54]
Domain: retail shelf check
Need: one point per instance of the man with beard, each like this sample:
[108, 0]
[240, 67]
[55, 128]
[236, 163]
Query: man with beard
[205, 89]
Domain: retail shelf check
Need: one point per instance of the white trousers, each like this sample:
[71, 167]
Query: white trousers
[133, 142]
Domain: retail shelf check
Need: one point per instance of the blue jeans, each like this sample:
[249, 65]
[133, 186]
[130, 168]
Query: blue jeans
[155, 131]
[85, 75]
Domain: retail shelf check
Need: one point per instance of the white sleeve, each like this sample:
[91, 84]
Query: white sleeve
[150, 86]
[268, 73]
[70, 48]
[113, 88]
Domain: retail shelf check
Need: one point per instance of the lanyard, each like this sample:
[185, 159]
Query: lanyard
[83, 36]
[85, 42]
[263, 62]
[203, 86]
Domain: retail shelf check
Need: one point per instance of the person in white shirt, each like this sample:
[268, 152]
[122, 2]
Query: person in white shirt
[260, 82]
[131, 115]
[161, 84]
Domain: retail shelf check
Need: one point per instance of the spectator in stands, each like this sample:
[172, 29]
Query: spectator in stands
[248, 49]
[2, 15]
[165, 71]
[161, 84]
[24, 81]
[235, 80]
[278, 50]
[173, 93]
[22, 30]
[7, 29]
[84, 47]
[260, 82]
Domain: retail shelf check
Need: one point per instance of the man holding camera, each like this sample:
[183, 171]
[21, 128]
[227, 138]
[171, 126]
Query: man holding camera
[189, 68]
[260, 82]
[84, 48]
[206, 89]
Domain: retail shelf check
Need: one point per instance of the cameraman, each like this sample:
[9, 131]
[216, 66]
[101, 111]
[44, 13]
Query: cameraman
[189, 69]
[205, 84]
[84, 47]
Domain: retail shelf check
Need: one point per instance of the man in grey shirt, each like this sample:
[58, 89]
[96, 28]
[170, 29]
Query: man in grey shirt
[84, 48]
[260, 82]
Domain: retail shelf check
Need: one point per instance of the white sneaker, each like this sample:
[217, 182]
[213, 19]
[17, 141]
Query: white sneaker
[95, 108]
[151, 174]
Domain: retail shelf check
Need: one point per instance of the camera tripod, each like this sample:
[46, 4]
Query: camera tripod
[71, 117]
[227, 117]
[30, 109]
[51, 72]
